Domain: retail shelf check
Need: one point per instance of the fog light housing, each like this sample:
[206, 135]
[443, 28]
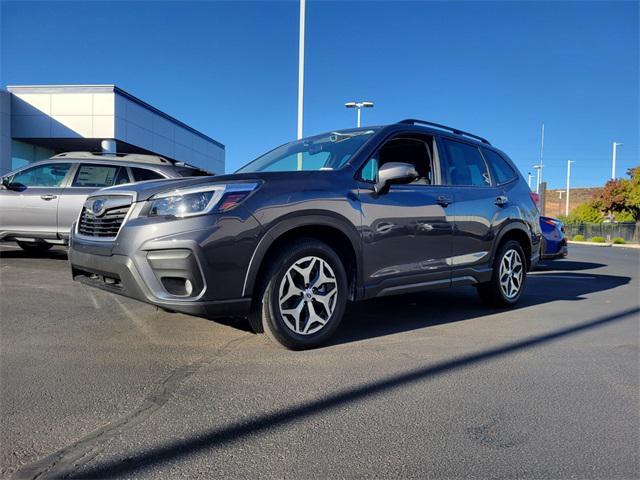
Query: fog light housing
[177, 270]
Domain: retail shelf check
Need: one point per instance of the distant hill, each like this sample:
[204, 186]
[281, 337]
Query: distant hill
[554, 207]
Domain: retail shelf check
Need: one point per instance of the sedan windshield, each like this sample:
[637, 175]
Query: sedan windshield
[323, 152]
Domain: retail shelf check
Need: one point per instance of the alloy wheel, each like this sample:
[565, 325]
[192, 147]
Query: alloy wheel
[511, 273]
[307, 295]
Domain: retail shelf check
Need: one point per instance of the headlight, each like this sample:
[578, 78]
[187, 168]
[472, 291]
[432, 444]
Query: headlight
[201, 199]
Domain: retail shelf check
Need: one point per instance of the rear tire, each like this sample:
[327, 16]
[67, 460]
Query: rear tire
[508, 278]
[35, 247]
[302, 296]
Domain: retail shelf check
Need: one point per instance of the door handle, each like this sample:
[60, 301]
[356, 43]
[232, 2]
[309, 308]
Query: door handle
[501, 201]
[384, 227]
[48, 197]
[444, 200]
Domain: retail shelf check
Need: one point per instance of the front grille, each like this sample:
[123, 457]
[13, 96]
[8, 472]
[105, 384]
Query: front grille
[106, 225]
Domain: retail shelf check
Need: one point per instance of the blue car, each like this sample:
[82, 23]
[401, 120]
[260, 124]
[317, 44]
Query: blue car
[554, 242]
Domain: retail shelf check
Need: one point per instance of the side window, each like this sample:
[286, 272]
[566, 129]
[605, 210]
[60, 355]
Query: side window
[142, 174]
[98, 176]
[49, 175]
[465, 165]
[414, 151]
[502, 171]
[369, 172]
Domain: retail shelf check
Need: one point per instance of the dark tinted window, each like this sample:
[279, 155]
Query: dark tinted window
[96, 175]
[501, 170]
[142, 174]
[49, 175]
[466, 165]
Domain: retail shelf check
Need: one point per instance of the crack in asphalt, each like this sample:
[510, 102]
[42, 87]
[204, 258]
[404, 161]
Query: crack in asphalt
[65, 461]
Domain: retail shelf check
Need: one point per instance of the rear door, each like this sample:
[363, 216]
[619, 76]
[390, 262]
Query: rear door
[30, 204]
[475, 209]
[87, 177]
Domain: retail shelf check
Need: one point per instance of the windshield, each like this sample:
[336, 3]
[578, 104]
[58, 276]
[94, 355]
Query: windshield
[323, 152]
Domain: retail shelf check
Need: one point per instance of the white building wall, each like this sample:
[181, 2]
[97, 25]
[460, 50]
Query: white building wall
[78, 112]
[62, 115]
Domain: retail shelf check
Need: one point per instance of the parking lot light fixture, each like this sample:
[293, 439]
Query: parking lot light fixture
[569, 162]
[359, 106]
[613, 159]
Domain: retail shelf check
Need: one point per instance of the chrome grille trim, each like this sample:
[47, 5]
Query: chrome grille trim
[107, 224]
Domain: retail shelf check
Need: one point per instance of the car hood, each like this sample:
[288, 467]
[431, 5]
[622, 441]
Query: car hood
[145, 190]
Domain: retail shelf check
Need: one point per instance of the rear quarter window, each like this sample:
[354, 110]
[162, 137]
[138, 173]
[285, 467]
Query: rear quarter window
[98, 176]
[142, 174]
[500, 168]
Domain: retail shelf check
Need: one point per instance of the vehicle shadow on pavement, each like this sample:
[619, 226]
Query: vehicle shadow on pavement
[210, 440]
[56, 253]
[391, 315]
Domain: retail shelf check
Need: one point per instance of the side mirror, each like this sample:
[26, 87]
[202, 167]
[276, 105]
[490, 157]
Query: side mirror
[5, 184]
[394, 172]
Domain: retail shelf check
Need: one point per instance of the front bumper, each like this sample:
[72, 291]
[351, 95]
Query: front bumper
[194, 265]
[118, 274]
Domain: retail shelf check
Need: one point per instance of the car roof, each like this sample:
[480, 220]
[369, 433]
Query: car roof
[128, 160]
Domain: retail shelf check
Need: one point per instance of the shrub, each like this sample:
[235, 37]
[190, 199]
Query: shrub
[598, 240]
[619, 241]
[578, 238]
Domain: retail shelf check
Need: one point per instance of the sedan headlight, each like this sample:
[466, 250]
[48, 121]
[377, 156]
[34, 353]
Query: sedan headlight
[200, 199]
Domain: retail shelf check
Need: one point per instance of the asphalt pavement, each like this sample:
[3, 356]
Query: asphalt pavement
[423, 386]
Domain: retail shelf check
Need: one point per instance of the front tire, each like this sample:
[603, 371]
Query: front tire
[35, 247]
[303, 295]
[508, 278]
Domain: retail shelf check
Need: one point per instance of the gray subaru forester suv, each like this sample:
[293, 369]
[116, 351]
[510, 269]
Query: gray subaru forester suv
[40, 201]
[293, 236]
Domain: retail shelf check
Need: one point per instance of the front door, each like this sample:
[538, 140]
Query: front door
[407, 231]
[30, 203]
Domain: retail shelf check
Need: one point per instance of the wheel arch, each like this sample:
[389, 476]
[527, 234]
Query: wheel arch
[520, 232]
[328, 227]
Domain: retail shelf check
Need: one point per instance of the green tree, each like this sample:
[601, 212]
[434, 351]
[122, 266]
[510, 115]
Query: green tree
[584, 213]
[622, 196]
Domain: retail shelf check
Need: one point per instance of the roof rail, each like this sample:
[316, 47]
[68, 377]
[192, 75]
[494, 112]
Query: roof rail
[413, 121]
[132, 157]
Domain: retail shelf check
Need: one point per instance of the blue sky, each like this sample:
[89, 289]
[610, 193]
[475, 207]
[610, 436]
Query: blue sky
[229, 69]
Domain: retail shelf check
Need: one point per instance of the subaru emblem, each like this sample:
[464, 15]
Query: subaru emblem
[97, 207]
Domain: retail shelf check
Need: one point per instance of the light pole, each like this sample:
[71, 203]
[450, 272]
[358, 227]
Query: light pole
[538, 169]
[541, 159]
[529, 179]
[301, 77]
[613, 159]
[569, 162]
[560, 192]
[359, 106]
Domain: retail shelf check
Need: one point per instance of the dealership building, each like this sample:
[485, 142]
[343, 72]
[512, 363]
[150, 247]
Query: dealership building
[37, 122]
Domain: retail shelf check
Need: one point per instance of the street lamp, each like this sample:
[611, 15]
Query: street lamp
[560, 192]
[569, 162]
[301, 77]
[529, 179]
[538, 169]
[359, 106]
[613, 159]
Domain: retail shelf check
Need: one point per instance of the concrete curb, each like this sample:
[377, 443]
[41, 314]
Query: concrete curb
[593, 244]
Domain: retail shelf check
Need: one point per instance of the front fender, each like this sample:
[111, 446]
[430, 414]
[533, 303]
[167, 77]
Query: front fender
[291, 222]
